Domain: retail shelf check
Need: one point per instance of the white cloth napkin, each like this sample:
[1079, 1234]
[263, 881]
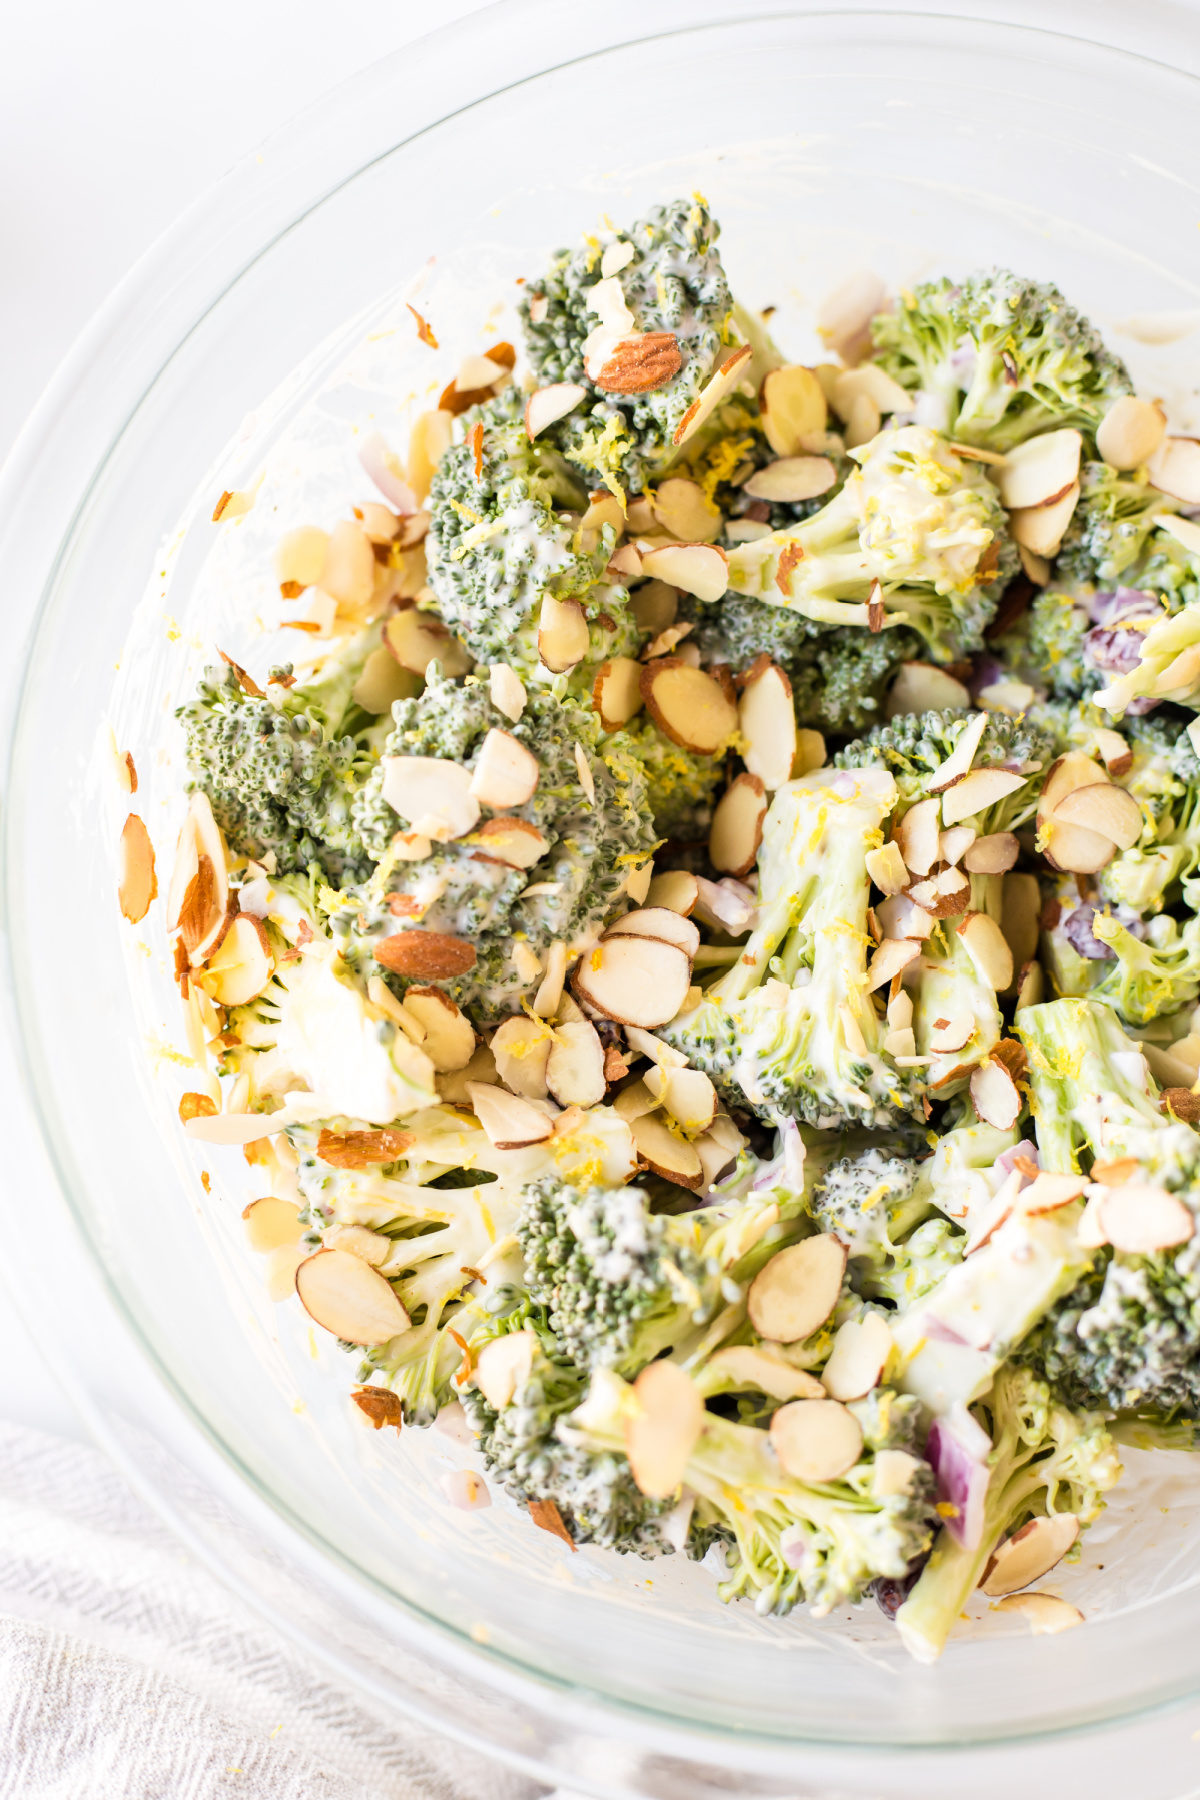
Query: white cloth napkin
[127, 1672]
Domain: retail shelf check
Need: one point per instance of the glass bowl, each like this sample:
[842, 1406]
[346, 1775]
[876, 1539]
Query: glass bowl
[273, 321]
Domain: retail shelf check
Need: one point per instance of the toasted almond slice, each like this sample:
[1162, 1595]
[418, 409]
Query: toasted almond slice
[546, 1001]
[844, 315]
[1039, 471]
[816, 1440]
[638, 363]
[425, 955]
[665, 1055]
[978, 790]
[625, 564]
[654, 606]
[1071, 771]
[575, 1068]
[716, 1159]
[635, 1101]
[603, 509]
[918, 835]
[887, 870]
[953, 1034]
[617, 692]
[1020, 917]
[690, 705]
[506, 773]
[549, 404]
[755, 1371]
[994, 1093]
[270, 1223]
[1106, 809]
[383, 682]
[1031, 986]
[241, 965]
[1042, 528]
[634, 980]
[681, 508]
[1035, 567]
[1115, 751]
[810, 752]
[658, 922]
[954, 844]
[700, 569]
[1046, 1613]
[346, 1296]
[1184, 531]
[1130, 433]
[417, 639]
[991, 855]
[1048, 1193]
[661, 1433]
[563, 636]
[920, 687]
[794, 409]
[792, 478]
[510, 1122]
[720, 384]
[349, 572]
[137, 882]
[767, 722]
[675, 889]
[362, 1149]
[665, 1153]
[959, 761]
[1075, 848]
[475, 372]
[1030, 1552]
[514, 842]
[432, 793]
[279, 1270]
[862, 425]
[432, 435]
[943, 895]
[521, 1047]
[638, 883]
[989, 949]
[374, 1247]
[504, 1365]
[737, 825]
[506, 691]
[1140, 1219]
[1175, 469]
[689, 1098]
[901, 917]
[794, 1294]
[448, 1038]
[886, 395]
[892, 955]
[861, 1348]
[300, 557]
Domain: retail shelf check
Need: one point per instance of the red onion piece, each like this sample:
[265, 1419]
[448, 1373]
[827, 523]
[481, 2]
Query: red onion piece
[957, 1448]
[376, 459]
[1006, 1161]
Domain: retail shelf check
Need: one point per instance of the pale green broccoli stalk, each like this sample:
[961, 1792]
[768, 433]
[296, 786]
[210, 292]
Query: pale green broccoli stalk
[672, 281]
[915, 528]
[1089, 1090]
[913, 748]
[899, 1245]
[284, 770]
[501, 541]
[786, 1540]
[1151, 975]
[993, 360]
[1044, 1460]
[789, 1029]
[1112, 527]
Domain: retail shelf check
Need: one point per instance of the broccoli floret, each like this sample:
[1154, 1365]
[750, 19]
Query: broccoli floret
[1166, 666]
[1165, 782]
[672, 281]
[1111, 526]
[994, 359]
[680, 784]
[914, 528]
[1044, 1459]
[898, 1247]
[1053, 640]
[283, 770]
[914, 746]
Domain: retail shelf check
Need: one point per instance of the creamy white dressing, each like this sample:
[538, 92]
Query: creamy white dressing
[327, 1037]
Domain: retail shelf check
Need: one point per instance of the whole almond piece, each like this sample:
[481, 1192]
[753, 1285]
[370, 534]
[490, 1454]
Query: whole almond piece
[347, 1297]
[638, 364]
[737, 826]
[689, 705]
[816, 1440]
[425, 955]
[794, 1294]
[137, 883]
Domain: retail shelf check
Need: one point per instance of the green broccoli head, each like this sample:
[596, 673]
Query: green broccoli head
[995, 359]
[914, 746]
[899, 1247]
[1112, 528]
[915, 528]
[1161, 867]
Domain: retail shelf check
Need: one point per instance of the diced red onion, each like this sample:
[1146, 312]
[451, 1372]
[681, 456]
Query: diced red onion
[793, 1547]
[1007, 1159]
[958, 1448]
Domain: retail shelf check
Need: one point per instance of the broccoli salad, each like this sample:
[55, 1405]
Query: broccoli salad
[703, 938]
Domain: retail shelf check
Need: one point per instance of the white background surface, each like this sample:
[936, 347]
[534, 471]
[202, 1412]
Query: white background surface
[114, 117]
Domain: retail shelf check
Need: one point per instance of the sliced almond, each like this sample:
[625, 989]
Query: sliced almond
[816, 1440]
[918, 835]
[300, 557]
[978, 790]
[995, 1096]
[349, 572]
[675, 889]
[1031, 986]
[991, 855]
[689, 1098]
[137, 882]
[892, 955]
[1036, 567]
[737, 826]
[959, 761]
[662, 1430]
[953, 1034]
[374, 1247]
[279, 1270]
[920, 687]
[668, 1155]
[635, 1101]
[954, 844]
[634, 980]
[506, 691]
[617, 692]
[510, 1122]
[547, 1000]
[549, 404]
[514, 842]
[1184, 531]
[658, 922]
[1042, 528]
[720, 384]
[1075, 848]
[636, 364]
[1129, 434]
[346, 1296]
[901, 917]
[680, 506]
[690, 705]
[241, 965]
[563, 636]
[1039, 471]
[810, 752]
[654, 606]
[1141, 1219]
[794, 1294]
[716, 1159]
[1030, 1553]
[1175, 469]
[638, 883]
[989, 949]
[767, 722]
[887, 869]
[1046, 1613]
[754, 1371]
[1071, 771]
[1115, 752]
[791, 479]
[794, 409]
[448, 1036]
[1106, 809]
[432, 435]
[270, 1223]
[362, 1149]
[869, 380]
[861, 1348]
[383, 681]
[504, 1365]
[1048, 1193]
[700, 569]
[425, 955]
[432, 793]
[417, 639]
[506, 773]
[521, 1047]
[575, 1067]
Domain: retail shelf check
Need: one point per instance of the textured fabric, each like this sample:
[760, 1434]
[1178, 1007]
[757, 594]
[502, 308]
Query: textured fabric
[128, 1673]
